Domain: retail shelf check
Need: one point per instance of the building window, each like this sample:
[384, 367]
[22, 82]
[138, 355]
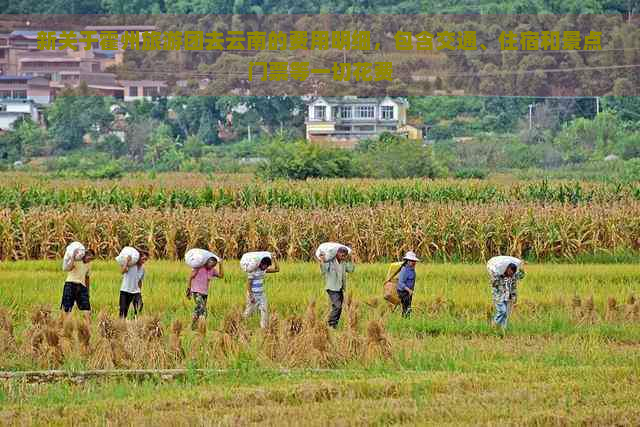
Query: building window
[320, 112]
[150, 91]
[20, 94]
[364, 112]
[95, 68]
[1, 53]
[5, 94]
[133, 91]
[345, 112]
[387, 112]
[366, 128]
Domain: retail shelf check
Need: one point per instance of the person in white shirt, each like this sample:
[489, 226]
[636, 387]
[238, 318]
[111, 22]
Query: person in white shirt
[131, 289]
[256, 298]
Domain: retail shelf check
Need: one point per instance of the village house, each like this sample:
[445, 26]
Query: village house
[142, 89]
[4, 53]
[13, 109]
[344, 121]
[25, 87]
[30, 73]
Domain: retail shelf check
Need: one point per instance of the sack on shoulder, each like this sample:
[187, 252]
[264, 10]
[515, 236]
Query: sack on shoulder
[391, 293]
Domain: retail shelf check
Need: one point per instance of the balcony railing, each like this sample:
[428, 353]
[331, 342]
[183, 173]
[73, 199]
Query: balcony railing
[352, 120]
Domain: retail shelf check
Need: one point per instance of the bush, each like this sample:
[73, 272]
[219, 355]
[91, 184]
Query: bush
[302, 160]
[631, 170]
[194, 147]
[111, 170]
[92, 165]
[113, 145]
[471, 173]
[629, 146]
[582, 138]
[394, 157]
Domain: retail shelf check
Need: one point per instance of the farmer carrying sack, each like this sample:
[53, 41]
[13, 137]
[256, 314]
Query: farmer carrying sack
[390, 291]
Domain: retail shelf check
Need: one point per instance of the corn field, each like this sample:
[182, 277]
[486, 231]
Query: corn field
[312, 194]
[461, 220]
[436, 231]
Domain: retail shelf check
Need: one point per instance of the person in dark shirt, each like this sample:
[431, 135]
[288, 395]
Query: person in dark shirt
[407, 282]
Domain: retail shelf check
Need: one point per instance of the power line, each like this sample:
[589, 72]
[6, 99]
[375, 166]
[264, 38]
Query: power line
[367, 51]
[452, 74]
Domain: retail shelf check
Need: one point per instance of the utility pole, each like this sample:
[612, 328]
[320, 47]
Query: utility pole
[597, 105]
[249, 132]
[530, 116]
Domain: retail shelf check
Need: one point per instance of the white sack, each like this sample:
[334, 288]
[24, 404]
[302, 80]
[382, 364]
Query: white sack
[496, 266]
[196, 258]
[251, 260]
[128, 251]
[329, 250]
[68, 260]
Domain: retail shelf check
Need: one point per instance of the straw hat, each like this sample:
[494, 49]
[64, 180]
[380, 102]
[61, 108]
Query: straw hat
[411, 256]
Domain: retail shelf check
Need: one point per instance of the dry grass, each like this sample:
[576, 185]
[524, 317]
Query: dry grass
[113, 343]
[7, 339]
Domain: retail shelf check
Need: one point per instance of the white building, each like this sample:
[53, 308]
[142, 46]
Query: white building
[349, 119]
[12, 110]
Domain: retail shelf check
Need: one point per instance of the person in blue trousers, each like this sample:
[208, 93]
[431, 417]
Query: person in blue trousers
[505, 293]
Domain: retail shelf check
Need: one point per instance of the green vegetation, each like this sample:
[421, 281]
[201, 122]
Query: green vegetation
[472, 137]
[312, 194]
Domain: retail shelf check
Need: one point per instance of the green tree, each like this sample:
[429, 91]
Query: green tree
[112, 145]
[127, 7]
[629, 146]
[77, 112]
[582, 138]
[193, 146]
[138, 135]
[196, 115]
[271, 112]
[30, 137]
[10, 148]
[160, 148]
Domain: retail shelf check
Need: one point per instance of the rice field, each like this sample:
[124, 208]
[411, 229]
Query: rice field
[569, 356]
